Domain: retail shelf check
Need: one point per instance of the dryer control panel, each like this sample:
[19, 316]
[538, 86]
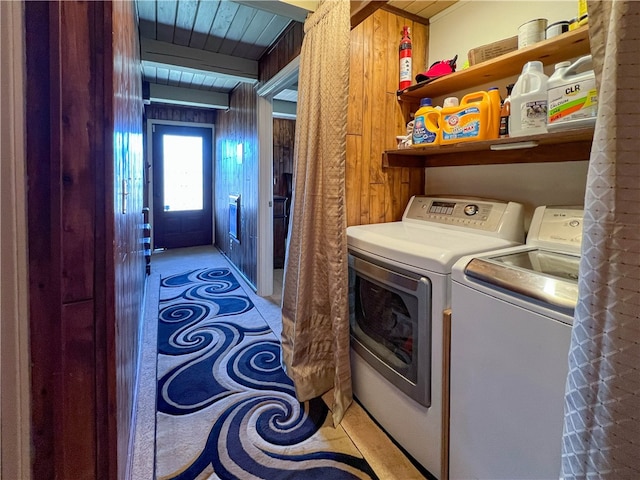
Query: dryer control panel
[486, 216]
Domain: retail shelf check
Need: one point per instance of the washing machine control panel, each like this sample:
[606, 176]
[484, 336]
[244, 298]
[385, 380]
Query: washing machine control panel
[474, 214]
[558, 228]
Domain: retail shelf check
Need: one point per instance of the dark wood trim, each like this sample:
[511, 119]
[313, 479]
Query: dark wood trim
[361, 10]
[107, 439]
[178, 113]
[44, 244]
[287, 47]
[407, 15]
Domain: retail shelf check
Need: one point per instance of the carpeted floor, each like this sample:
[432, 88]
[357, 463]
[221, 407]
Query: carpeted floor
[223, 397]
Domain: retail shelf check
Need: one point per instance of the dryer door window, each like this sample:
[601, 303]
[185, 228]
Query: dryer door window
[384, 321]
[390, 323]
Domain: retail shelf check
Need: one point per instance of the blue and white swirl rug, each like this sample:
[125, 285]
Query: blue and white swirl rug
[225, 407]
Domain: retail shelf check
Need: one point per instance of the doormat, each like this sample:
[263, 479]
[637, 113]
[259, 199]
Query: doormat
[225, 407]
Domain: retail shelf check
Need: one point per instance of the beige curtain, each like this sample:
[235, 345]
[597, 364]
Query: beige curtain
[315, 312]
[602, 403]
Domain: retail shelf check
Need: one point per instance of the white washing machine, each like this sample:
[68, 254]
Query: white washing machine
[512, 312]
[399, 287]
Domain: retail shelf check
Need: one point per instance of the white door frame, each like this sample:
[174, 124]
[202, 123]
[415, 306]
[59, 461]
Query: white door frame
[266, 92]
[15, 407]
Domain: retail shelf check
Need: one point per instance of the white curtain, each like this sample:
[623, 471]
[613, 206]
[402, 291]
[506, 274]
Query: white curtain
[315, 311]
[602, 403]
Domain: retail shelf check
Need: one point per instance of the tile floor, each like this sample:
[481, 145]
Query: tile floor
[385, 458]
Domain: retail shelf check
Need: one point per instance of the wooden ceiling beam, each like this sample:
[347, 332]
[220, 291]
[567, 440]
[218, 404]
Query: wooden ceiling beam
[188, 96]
[196, 60]
[362, 9]
[407, 15]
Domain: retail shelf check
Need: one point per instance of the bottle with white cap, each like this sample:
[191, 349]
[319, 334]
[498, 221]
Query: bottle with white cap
[450, 102]
[529, 102]
[559, 69]
[572, 96]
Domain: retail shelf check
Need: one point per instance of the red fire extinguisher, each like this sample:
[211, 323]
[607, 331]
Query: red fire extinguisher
[405, 59]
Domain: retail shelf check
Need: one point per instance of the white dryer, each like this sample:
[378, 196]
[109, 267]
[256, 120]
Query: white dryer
[399, 286]
[512, 312]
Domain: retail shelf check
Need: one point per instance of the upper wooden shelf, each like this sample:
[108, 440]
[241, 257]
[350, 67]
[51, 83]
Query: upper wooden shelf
[565, 46]
[562, 146]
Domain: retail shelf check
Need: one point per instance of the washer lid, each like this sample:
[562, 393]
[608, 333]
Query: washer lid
[427, 248]
[546, 276]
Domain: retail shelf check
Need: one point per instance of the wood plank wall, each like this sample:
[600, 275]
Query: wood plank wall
[283, 141]
[83, 345]
[61, 238]
[237, 175]
[284, 50]
[375, 117]
[176, 113]
[239, 125]
[44, 248]
[126, 276]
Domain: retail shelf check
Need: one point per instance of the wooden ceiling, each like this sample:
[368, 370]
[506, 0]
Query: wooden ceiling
[424, 9]
[201, 49]
[208, 46]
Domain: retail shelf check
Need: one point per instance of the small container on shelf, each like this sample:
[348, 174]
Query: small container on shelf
[531, 32]
[556, 29]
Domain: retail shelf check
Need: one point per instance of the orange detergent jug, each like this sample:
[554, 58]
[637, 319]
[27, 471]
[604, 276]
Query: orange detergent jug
[470, 121]
[496, 106]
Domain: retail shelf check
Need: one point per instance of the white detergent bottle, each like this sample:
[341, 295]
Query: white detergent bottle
[572, 96]
[529, 102]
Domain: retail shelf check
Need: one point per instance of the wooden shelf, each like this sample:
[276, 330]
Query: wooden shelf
[565, 46]
[563, 146]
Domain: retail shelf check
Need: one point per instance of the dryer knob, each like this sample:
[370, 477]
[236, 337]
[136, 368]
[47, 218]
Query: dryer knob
[471, 209]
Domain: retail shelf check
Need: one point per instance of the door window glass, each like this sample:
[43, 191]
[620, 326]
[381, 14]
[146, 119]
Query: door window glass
[183, 173]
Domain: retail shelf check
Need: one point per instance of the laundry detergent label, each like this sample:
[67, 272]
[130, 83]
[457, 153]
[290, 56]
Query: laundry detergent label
[573, 101]
[421, 133]
[533, 114]
[462, 124]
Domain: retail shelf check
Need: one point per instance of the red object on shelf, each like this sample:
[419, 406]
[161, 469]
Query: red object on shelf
[438, 69]
[405, 59]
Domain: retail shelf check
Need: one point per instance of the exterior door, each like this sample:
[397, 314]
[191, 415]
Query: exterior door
[182, 182]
